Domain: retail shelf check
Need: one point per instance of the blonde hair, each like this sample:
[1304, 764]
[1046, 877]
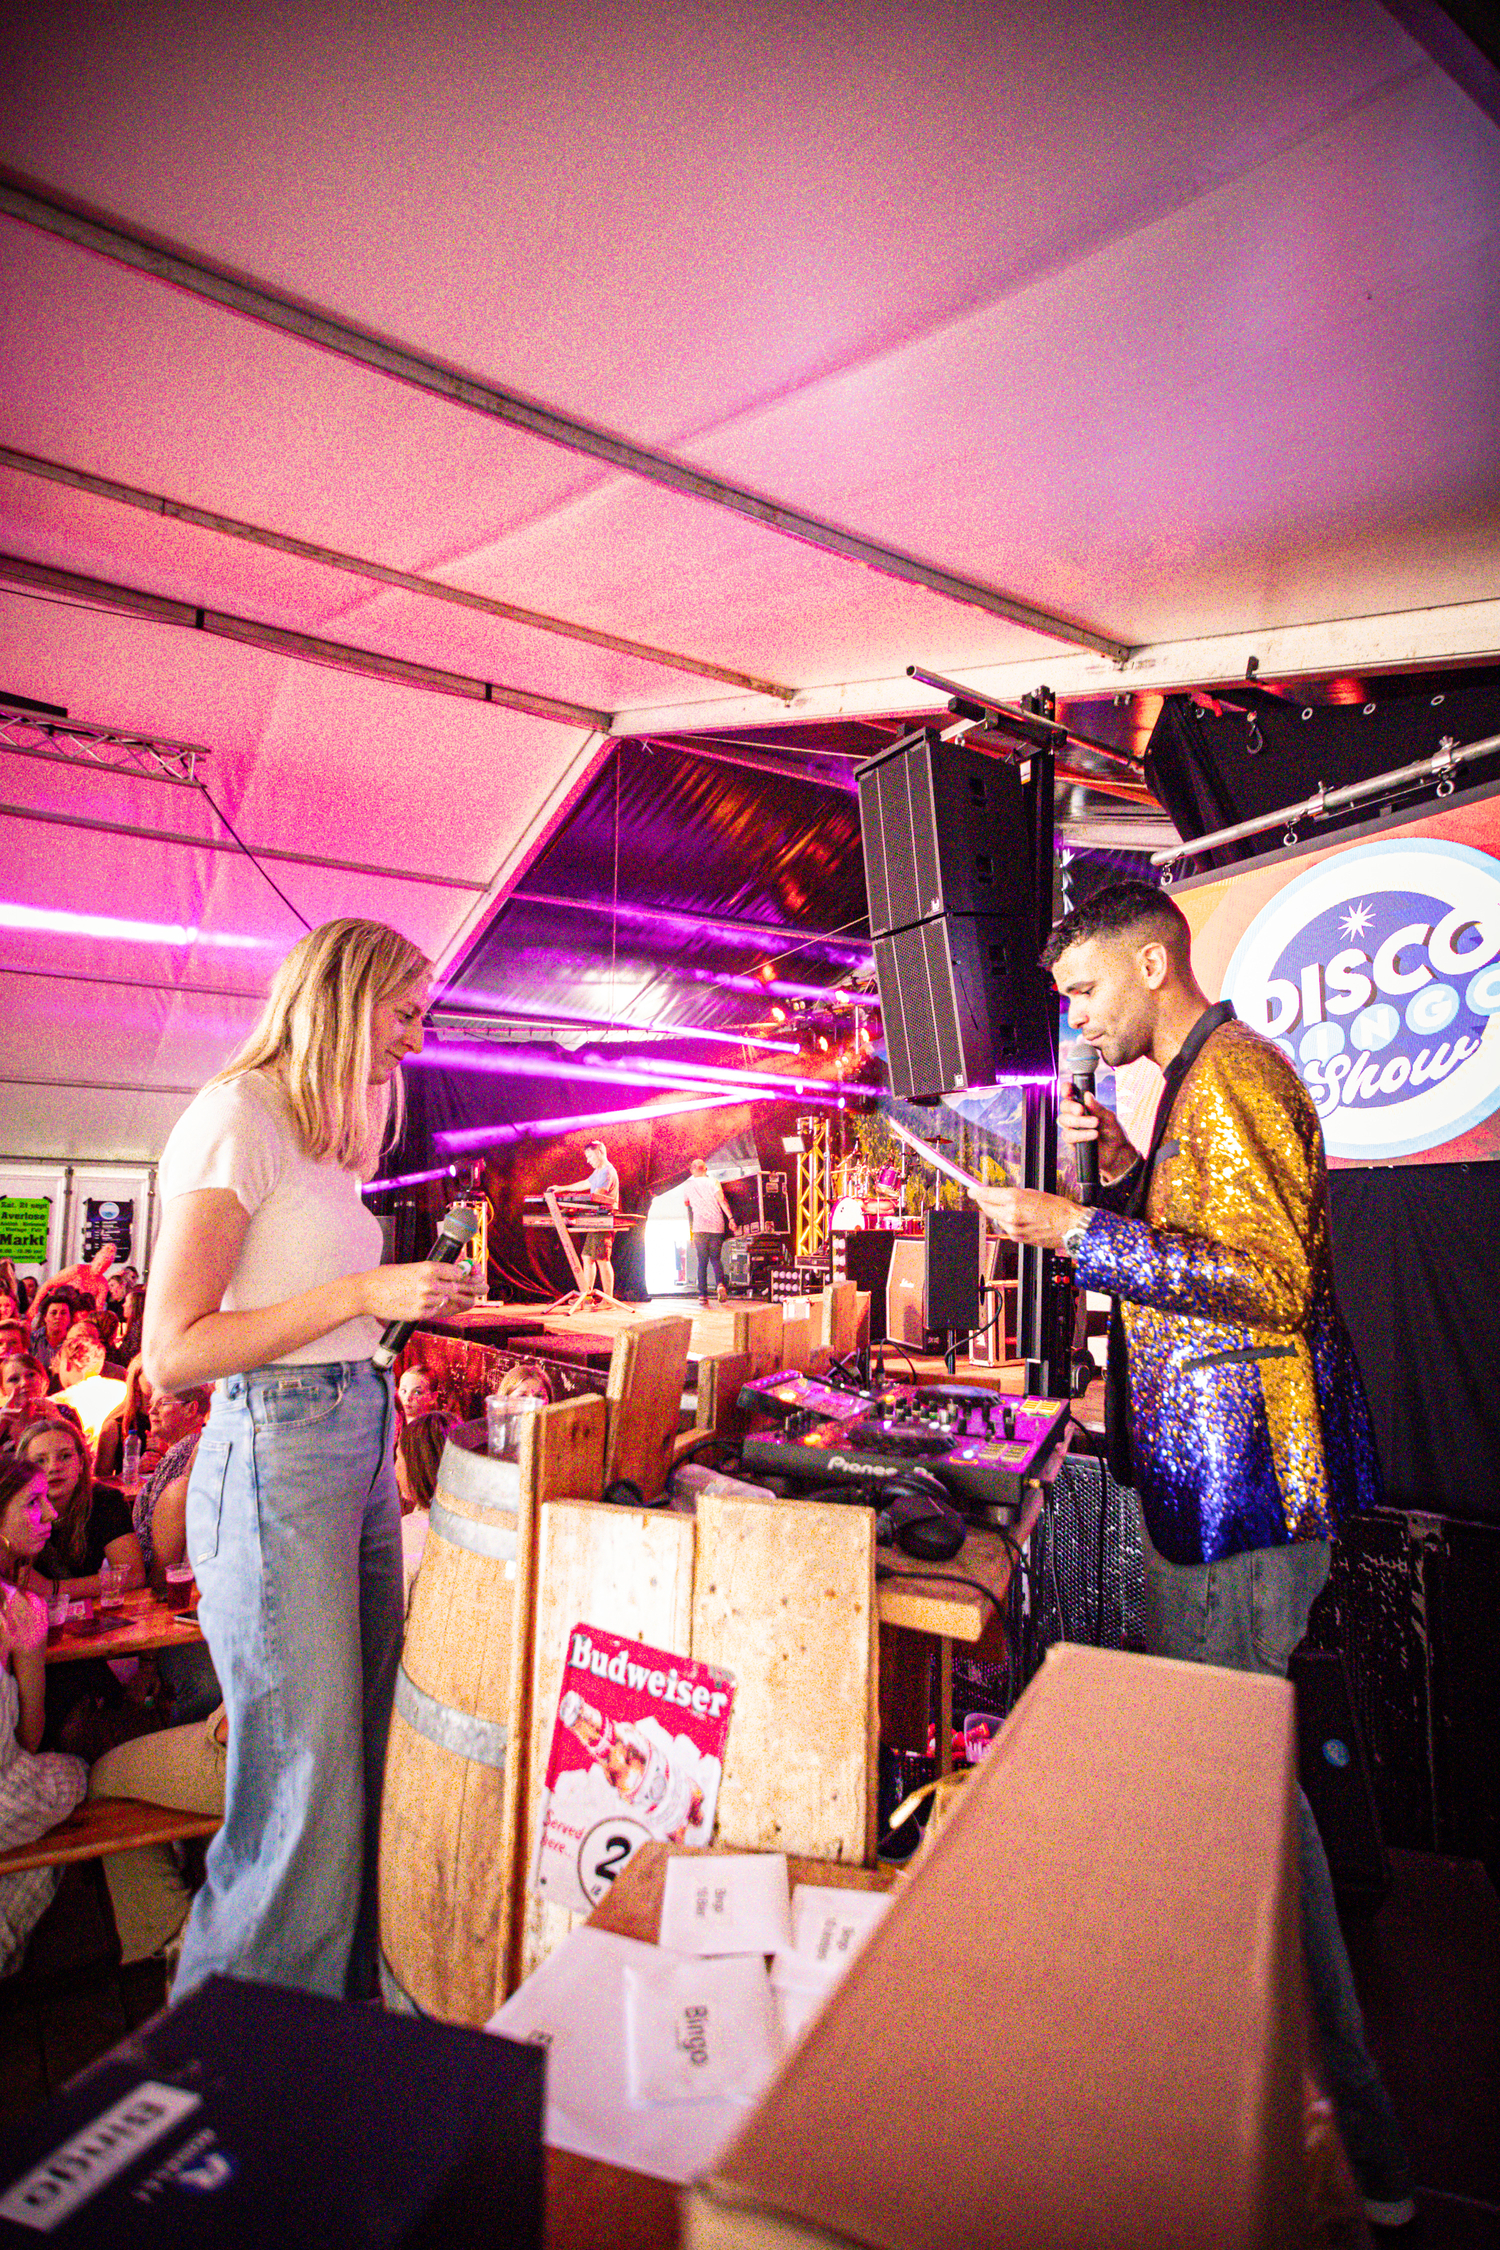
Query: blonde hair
[313, 1037]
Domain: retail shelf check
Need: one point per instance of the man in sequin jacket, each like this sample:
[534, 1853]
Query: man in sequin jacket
[1247, 1431]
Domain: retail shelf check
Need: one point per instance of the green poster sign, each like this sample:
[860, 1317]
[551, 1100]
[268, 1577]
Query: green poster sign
[25, 1222]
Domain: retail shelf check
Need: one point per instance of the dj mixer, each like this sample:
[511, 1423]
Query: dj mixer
[983, 1447]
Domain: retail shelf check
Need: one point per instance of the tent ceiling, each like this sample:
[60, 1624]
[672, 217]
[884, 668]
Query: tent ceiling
[1181, 326]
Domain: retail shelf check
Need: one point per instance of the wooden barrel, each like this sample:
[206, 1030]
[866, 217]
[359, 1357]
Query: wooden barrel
[448, 1820]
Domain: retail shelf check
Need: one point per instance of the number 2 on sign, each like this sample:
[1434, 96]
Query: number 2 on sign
[607, 1848]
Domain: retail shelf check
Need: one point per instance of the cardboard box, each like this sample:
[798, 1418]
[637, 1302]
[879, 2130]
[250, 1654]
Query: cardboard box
[1083, 2020]
[255, 2116]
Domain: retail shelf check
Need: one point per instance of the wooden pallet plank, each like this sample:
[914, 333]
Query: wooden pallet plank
[784, 1598]
[625, 1570]
[647, 1372]
[757, 1333]
[720, 1381]
[104, 1825]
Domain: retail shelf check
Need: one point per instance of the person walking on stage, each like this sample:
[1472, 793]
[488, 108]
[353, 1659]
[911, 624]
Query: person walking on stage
[1236, 1407]
[266, 1282]
[710, 1219]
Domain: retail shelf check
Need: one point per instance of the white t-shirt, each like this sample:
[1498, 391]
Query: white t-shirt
[307, 1223]
[700, 1192]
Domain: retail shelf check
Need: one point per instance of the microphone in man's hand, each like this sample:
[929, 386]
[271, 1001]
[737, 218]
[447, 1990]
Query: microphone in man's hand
[458, 1229]
[1080, 1063]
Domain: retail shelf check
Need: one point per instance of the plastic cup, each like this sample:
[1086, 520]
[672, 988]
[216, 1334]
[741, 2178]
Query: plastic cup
[111, 1587]
[505, 1418]
[178, 1590]
[58, 1606]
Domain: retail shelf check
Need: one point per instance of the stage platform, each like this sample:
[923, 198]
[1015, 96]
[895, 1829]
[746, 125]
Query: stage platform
[588, 1337]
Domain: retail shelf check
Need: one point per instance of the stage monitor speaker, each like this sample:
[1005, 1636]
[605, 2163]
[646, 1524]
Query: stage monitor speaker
[1335, 1777]
[963, 1002]
[945, 832]
[867, 1263]
[950, 1240]
[905, 1316]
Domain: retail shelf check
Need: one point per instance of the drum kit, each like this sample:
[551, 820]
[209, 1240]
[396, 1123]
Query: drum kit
[864, 1198]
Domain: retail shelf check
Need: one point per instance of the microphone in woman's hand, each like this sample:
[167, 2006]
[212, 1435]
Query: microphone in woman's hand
[1080, 1063]
[458, 1229]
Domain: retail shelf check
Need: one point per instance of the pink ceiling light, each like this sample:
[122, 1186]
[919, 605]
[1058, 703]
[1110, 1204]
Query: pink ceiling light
[60, 923]
[547, 1128]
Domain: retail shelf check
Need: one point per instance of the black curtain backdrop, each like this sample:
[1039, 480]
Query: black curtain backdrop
[1417, 1263]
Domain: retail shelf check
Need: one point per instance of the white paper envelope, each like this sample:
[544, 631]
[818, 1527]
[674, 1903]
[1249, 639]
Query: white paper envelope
[734, 1903]
[829, 1925]
[574, 2006]
[699, 2029]
[795, 2010]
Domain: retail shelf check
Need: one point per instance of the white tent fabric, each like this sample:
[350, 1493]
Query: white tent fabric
[1177, 324]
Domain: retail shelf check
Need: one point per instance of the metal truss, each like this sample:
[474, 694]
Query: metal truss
[69, 742]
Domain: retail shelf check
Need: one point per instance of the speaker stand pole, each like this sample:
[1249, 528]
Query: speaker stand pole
[1041, 1322]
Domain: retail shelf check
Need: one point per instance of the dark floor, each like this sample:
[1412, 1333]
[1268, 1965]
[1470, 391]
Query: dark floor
[1427, 1966]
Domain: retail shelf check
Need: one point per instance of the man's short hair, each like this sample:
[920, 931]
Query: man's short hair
[1135, 910]
[599, 1145]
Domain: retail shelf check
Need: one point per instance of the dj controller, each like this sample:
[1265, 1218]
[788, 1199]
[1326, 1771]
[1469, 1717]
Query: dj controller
[983, 1448]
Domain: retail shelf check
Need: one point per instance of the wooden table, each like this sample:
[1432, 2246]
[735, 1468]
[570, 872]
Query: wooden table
[594, 2206]
[146, 1623]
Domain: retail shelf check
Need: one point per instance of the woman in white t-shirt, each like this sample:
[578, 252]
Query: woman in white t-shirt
[266, 1282]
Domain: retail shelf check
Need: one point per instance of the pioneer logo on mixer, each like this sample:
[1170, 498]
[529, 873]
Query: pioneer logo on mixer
[1378, 974]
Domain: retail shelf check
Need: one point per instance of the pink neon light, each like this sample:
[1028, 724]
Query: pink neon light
[543, 1128]
[63, 924]
[738, 1085]
[410, 1179]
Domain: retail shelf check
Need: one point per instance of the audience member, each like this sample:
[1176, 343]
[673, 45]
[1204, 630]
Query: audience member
[131, 1417]
[92, 1527]
[13, 1338]
[159, 1514]
[416, 1393]
[132, 1314]
[183, 1767]
[23, 1392]
[36, 1791]
[419, 1452]
[81, 1354]
[9, 1308]
[50, 1323]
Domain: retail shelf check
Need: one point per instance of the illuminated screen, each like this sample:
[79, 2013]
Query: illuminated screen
[1374, 963]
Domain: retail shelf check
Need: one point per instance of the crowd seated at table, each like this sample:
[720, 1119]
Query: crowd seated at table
[66, 1515]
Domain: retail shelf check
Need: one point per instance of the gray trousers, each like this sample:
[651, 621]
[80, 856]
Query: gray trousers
[1247, 1614]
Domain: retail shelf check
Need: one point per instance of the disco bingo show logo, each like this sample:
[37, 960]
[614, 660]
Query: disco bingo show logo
[1378, 974]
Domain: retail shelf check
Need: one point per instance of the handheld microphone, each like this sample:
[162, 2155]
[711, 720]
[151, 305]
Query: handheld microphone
[458, 1229]
[1081, 1062]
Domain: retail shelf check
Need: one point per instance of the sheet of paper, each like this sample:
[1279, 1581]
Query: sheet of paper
[699, 2030]
[574, 2006]
[734, 1902]
[830, 1925]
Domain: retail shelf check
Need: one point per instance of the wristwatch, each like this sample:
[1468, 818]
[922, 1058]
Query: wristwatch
[1072, 1241]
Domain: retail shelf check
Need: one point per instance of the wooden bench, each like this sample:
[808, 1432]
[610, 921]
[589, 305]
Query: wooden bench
[103, 1825]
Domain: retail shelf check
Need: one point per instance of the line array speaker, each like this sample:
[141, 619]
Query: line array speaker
[948, 871]
[945, 832]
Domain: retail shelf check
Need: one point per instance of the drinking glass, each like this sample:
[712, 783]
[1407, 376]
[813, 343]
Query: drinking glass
[111, 1585]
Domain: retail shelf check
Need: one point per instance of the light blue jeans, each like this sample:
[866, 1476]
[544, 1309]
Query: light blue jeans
[1247, 1614]
[294, 1534]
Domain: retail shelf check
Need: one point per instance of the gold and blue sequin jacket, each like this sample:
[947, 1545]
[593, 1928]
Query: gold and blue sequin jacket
[1249, 1424]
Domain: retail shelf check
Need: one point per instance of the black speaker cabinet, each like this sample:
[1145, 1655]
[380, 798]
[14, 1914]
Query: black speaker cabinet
[945, 832]
[951, 1242]
[1335, 1776]
[963, 1003]
[867, 1263]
